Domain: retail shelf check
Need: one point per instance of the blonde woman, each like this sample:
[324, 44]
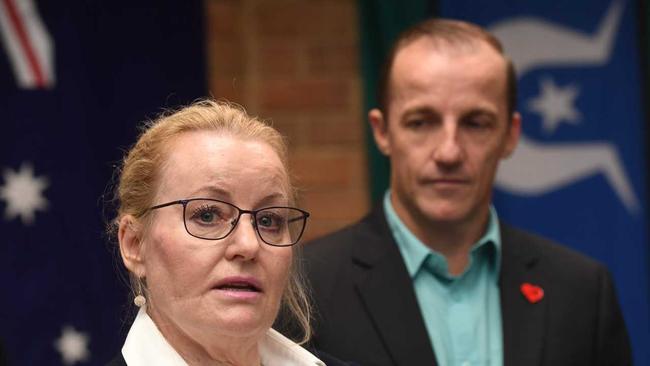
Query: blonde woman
[207, 229]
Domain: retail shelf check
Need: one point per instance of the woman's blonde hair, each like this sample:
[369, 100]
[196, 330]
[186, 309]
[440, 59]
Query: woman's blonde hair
[140, 169]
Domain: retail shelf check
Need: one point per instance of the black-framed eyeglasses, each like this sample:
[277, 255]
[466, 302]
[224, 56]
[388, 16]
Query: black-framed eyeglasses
[211, 219]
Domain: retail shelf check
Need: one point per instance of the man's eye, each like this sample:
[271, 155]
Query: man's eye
[416, 123]
[475, 124]
[478, 122]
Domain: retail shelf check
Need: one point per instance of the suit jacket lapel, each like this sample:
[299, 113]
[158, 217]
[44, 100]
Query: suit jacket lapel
[523, 321]
[386, 290]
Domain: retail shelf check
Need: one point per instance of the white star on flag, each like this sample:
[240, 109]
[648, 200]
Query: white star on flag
[555, 105]
[23, 193]
[73, 346]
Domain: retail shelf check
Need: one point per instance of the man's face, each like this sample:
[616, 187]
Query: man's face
[446, 130]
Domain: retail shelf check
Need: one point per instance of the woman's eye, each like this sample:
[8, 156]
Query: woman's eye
[269, 221]
[207, 216]
[265, 221]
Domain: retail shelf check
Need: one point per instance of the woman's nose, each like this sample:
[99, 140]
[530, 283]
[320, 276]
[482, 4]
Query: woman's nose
[244, 242]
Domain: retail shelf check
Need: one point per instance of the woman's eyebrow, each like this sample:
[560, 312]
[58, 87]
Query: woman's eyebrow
[210, 191]
[273, 199]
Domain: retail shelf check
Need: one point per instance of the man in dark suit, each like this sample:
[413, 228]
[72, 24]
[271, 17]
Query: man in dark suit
[431, 275]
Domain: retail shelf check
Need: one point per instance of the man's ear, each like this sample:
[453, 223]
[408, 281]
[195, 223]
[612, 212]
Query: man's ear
[379, 125]
[131, 250]
[512, 135]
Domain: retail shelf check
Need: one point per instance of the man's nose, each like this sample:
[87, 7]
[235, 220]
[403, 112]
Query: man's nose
[447, 150]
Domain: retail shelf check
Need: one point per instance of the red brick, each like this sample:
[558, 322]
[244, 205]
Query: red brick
[328, 59]
[325, 170]
[226, 58]
[334, 204]
[223, 17]
[293, 128]
[278, 18]
[319, 19]
[330, 20]
[279, 59]
[233, 90]
[296, 62]
[321, 169]
[304, 94]
[337, 130]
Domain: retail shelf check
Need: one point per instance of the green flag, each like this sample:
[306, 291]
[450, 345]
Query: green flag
[381, 22]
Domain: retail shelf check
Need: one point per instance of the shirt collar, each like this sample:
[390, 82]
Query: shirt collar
[276, 349]
[415, 253]
[145, 345]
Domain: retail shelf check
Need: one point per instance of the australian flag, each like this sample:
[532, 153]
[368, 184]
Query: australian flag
[75, 80]
[579, 172]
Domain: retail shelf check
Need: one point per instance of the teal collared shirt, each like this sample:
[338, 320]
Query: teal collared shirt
[462, 313]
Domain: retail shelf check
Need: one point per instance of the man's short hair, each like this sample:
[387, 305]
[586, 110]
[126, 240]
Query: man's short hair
[445, 33]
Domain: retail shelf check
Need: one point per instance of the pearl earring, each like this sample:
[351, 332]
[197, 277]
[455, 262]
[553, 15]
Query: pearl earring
[139, 300]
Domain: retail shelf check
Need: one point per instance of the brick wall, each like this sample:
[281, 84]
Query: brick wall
[296, 63]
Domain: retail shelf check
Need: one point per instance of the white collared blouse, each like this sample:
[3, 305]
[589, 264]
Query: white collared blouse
[145, 346]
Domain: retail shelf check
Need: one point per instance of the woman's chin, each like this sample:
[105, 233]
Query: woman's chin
[239, 323]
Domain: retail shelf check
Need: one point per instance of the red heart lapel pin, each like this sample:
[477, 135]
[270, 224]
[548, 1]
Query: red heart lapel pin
[532, 293]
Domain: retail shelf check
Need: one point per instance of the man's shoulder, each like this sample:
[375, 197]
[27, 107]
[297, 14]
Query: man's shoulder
[340, 255]
[549, 252]
[335, 241]
[371, 227]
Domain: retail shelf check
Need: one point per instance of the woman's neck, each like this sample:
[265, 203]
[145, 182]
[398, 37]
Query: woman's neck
[210, 349]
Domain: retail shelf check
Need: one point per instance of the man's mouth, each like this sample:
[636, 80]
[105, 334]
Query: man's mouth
[442, 181]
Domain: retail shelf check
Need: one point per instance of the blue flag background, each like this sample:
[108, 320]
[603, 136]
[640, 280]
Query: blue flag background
[578, 175]
[113, 64]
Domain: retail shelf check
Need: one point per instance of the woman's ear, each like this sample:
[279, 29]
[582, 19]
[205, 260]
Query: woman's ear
[131, 250]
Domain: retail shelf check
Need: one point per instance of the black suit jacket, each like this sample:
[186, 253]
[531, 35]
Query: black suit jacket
[367, 312]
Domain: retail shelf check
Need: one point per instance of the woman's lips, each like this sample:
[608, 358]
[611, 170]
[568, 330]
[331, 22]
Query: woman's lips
[239, 287]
